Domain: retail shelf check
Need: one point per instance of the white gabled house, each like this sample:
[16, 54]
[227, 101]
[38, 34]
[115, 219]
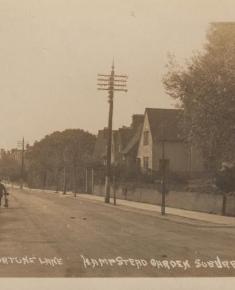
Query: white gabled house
[161, 128]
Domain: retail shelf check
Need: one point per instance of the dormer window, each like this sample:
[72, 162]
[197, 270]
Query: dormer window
[146, 137]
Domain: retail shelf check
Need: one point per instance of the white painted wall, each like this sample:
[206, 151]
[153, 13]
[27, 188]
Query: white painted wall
[146, 150]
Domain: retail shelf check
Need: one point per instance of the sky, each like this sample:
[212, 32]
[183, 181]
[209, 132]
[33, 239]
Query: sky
[52, 50]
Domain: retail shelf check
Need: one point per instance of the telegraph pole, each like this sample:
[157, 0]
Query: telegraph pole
[110, 83]
[22, 145]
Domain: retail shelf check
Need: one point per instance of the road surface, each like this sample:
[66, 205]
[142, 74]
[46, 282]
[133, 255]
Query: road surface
[53, 235]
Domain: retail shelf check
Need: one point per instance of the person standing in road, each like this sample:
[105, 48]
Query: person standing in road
[3, 192]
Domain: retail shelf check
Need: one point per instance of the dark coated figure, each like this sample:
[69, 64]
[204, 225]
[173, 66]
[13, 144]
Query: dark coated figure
[3, 193]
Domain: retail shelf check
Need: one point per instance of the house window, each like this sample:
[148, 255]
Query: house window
[146, 137]
[146, 163]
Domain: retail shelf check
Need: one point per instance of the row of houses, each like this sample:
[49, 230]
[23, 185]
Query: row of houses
[13, 154]
[152, 138]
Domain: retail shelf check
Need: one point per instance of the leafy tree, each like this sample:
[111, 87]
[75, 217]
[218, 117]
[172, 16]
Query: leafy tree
[10, 168]
[205, 89]
[58, 156]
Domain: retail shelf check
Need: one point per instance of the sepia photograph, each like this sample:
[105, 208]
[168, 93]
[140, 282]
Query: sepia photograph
[117, 148]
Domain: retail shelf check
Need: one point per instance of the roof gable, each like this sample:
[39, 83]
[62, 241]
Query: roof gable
[165, 124]
[133, 141]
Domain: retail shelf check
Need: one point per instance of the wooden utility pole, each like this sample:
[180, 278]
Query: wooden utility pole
[110, 83]
[22, 145]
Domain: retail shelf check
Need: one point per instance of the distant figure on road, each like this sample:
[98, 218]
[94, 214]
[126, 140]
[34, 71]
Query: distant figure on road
[3, 192]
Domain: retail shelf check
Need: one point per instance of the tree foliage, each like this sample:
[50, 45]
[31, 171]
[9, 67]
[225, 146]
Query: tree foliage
[70, 150]
[9, 167]
[205, 89]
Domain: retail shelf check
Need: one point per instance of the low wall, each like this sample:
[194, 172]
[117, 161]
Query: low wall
[203, 202]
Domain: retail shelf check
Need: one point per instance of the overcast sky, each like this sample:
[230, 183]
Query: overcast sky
[52, 50]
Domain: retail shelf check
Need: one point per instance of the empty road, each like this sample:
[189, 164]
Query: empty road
[51, 235]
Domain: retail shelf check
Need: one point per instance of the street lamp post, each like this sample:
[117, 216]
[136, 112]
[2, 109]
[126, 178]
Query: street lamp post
[163, 171]
[66, 161]
[163, 207]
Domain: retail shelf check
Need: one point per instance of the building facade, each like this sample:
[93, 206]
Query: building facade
[161, 139]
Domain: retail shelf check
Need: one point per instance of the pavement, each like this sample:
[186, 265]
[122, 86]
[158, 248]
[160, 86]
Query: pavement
[194, 215]
[212, 218]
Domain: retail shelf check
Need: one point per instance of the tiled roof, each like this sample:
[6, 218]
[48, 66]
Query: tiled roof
[124, 136]
[122, 139]
[165, 124]
[133, 141]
